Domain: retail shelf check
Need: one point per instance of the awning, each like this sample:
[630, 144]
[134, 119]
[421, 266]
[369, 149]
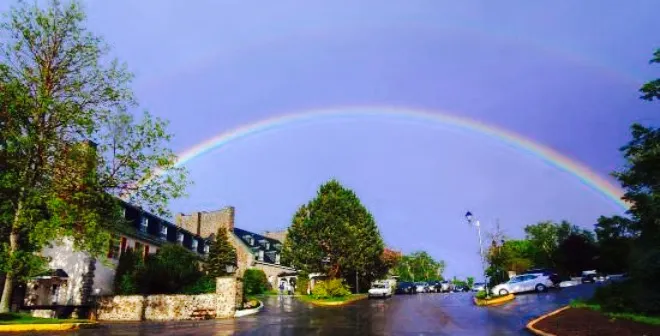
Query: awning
[54, 274]
[284, 274]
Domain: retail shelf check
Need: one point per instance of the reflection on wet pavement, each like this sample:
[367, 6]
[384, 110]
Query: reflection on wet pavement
[421, 314]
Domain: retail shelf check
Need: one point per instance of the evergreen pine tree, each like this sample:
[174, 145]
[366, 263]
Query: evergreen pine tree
[221, 254]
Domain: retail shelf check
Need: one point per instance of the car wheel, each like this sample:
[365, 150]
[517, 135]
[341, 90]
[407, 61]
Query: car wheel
[503, 292]
[541, 288]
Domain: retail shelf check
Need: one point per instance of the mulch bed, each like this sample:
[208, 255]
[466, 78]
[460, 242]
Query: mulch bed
[583, 322]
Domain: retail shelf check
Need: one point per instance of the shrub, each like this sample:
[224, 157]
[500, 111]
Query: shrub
[254, 282]
[170, 270]
[333, 288]
[203, 285]
[627, 297]
[127, 273]
[301, 285]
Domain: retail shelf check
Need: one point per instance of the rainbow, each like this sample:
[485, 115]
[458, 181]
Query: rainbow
[550, 156]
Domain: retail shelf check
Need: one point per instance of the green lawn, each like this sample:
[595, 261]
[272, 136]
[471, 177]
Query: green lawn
[628, 316]
[21, 318]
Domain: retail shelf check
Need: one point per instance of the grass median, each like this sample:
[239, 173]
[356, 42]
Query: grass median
[22, 318]
[333, 301]
[654, 320]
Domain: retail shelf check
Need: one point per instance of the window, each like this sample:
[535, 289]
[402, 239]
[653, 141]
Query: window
[144, 224]
[146, 250]
[206, 248]
[179, 237]
[277, 258]
[261, 255]
[194, 245]
[163, 230]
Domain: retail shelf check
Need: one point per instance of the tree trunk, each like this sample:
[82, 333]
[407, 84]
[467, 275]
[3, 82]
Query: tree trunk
[8, 290]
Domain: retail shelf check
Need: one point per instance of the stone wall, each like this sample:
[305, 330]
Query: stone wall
[206, 223]
[222, 304]
[121, 308]
[180, 307]
[228, 296]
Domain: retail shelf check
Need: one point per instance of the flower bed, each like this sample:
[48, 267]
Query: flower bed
[584, 321]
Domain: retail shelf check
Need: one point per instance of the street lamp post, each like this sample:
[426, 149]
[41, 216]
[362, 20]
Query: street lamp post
[470, 220]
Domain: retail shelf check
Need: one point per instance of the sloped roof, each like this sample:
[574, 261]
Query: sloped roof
[269, 254]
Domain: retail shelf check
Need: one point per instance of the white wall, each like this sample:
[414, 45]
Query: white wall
[74, 263]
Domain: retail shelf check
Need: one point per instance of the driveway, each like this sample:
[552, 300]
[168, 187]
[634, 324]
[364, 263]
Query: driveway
[421, 314]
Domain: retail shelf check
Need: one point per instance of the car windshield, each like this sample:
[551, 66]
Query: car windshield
[379, 286]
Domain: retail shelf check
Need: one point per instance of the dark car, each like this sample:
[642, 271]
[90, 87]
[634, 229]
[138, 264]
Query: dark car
[554, 277]
[406, 288]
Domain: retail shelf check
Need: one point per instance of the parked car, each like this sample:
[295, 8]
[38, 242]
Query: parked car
[380, 289]
[592, 277]
[550, 273]
[461, 288]
[524, 283]
[406, 288]
[478, 286]
[422, 287]
[444, 287]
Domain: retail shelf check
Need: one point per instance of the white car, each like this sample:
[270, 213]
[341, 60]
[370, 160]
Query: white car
[524, 283]
[478, 286]
[380, 289]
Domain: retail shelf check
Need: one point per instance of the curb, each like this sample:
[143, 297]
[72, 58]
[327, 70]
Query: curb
[334, 304]
[252, 311]
[530, 324]
[43, 327]
[499, 300]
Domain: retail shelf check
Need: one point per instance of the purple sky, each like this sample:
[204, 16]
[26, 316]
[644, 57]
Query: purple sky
[564, 73]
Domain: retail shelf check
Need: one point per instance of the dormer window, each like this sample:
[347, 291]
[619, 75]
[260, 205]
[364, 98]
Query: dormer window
[278, 246]
[267, 245]
[179, 237]
[249, 239]
[277, 258]
[194, 244]
[144, 224]
[163, 230]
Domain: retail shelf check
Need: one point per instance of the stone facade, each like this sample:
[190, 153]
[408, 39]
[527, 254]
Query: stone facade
[229, 297]
[222, 304]
[274, 272]
[206, 223]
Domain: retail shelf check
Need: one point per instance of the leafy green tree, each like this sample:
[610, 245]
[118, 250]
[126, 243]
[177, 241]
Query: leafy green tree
[545, 238]
[640, 178]
[575, 254]
[470, 281]
[58, 90]
[170, 270]
[254, 282]
[420, 266]
[334, 234]
[221, 254]
[616, 236]
[651, 90]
